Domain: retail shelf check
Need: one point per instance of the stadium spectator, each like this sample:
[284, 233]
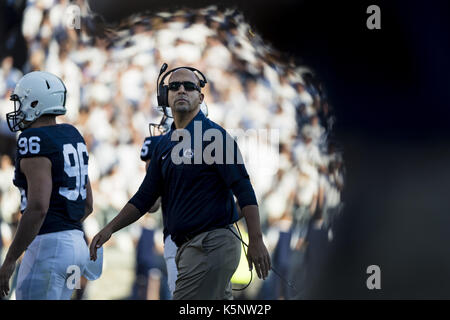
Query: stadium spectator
[150, 271]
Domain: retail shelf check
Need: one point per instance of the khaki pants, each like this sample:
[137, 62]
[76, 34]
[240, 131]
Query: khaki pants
[206, 264]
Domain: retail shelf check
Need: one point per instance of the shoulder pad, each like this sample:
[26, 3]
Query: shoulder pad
[149, 146]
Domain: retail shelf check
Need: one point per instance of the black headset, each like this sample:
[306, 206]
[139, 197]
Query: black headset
[163, 90]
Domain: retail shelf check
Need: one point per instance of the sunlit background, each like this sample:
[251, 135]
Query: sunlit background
[110, 72]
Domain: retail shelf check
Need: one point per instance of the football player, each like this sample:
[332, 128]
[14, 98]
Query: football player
[51, 172]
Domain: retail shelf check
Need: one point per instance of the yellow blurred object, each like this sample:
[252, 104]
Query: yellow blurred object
[242, 275]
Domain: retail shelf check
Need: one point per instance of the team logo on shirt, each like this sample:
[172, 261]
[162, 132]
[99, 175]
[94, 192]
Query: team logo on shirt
[188, 153]
[216, 146]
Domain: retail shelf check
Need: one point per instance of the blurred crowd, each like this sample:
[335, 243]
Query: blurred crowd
[110, 72]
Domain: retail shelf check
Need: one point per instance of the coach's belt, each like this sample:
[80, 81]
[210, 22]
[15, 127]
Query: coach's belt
[182, 239]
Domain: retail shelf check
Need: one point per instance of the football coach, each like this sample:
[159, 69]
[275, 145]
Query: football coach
[197, 196]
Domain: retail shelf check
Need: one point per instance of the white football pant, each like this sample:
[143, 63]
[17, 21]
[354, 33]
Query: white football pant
[170, 251]
[52, 266]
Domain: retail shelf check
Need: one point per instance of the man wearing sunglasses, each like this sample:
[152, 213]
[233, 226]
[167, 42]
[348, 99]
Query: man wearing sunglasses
[198, 201]
[188, 86]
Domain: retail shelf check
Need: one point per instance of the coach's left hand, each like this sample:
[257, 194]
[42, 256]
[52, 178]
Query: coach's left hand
[259, 256]
[6, 271]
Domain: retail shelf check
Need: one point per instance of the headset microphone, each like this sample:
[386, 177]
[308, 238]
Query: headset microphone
[163, 68]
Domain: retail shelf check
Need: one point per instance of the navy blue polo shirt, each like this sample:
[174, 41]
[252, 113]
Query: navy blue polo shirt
[196, 193]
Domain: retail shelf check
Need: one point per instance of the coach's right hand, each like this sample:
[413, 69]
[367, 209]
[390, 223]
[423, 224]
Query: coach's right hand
[99, 239]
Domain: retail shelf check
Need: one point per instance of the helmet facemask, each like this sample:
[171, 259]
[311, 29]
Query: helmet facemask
[161, 128]
[16, 118]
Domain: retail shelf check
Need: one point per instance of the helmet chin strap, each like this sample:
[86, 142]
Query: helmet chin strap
[24, 124]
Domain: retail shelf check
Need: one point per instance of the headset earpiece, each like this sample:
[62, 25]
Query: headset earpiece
[163, 96]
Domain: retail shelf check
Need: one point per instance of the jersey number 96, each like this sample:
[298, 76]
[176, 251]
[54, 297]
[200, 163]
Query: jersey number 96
[77, 170]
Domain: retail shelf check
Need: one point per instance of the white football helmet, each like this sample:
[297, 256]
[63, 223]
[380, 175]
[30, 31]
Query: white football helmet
[204, 108]
[162, 127]
[37, 93]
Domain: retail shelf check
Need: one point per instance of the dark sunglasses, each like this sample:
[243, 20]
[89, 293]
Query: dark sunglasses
[188, 86]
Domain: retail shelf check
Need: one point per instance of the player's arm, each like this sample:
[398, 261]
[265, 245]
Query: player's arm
[39, 179]
[128, 215]
[139, 204]
[157, 203]
[89, 205]
[38, 172]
